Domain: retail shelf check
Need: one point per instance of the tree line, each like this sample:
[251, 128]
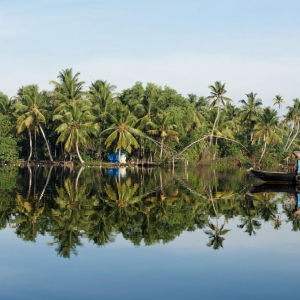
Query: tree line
[71, 122]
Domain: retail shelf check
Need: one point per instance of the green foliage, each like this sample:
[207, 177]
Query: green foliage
[8, 149]
[99, 120]
[6, 126]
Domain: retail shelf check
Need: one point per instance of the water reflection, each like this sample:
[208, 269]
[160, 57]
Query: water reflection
[145, 206]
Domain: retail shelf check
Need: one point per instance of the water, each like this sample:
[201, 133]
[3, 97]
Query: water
[145, 234]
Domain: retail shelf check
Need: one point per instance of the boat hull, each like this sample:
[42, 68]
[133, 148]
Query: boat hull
[273, 176]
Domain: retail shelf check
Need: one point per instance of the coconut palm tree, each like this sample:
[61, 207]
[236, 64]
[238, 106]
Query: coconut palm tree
[278, 100]
[29, 109]
[249, 111]
[122, 130]
[68, 88]
[292, 117]
[266, 129]
[199, 107]
[163, 127]
[218, 99]
[104, 100]
[76, 125]
[146, 107]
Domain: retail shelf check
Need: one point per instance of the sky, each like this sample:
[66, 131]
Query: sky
[252, 46]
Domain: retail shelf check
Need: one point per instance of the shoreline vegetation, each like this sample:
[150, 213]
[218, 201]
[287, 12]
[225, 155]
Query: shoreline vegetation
[71, 124]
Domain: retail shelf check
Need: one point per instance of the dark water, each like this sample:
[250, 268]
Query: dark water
[145, 234]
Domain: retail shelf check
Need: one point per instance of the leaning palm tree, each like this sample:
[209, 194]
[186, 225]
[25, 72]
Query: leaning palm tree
[292, 118]
[76, 125]
[278, 100]
[266, 129]
[30, 113]
[218, 99]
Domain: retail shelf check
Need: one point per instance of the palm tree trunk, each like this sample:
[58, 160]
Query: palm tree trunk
[30, 182]
[35, 154]
[212, 201]
[290, 134]
[265, 146]
[77, 177]
[161, 147]
[46, 184]
[30, 144]
[298, 123]
[215, 150]
[79, 156]
[49, 151]
[215, 123]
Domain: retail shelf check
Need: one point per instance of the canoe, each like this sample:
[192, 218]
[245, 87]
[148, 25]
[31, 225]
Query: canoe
[274, 177]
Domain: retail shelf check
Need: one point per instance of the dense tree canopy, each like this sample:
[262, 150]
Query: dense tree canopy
[88, 123]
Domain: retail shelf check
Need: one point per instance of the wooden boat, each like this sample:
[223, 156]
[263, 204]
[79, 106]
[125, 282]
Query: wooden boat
[268, 176]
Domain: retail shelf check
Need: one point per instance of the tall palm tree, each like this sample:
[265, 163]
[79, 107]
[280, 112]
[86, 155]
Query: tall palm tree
[122, 130]
[30, 112]
[163, 127]
[76, 125]
[267, 129]
[249, 111]
[218, 99]
[68, 88]
[104, 100]
[278, 100]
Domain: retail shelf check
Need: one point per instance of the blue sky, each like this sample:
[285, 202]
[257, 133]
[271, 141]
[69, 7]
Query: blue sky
[253, 46]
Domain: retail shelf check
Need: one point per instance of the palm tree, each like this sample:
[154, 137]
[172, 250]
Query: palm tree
[216, 232]
[69, 87]
[267, 129]
[76, 123]
[215, 235]
[163, 126]
[278, 100]
[103, 101]
[122, 130]
[292, 117]
[218, 99]
[5, 104]
[29, 108]
[146, 107]
[199, 106]
[250, 110]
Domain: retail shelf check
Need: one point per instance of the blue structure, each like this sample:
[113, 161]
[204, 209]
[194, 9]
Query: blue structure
[114, 157]
[117, 172]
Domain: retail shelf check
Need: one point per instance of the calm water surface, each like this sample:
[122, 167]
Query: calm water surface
[146, 234]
